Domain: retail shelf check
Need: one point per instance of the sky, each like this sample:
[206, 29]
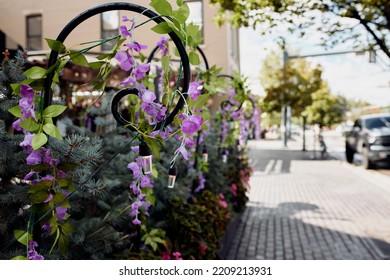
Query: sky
[349, 74]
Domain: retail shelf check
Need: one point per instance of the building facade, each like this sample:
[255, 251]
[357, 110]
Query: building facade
[27, 23]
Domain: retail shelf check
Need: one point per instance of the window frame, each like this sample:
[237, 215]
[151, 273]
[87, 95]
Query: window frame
[29, 36]
[105, 47]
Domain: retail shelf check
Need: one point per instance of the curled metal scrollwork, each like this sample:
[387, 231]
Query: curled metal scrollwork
[48, 93]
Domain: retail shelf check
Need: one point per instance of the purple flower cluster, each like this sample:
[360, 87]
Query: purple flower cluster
[201, 182]
[195, 89]
[162, 44]
[32, 253]
[42, 155]
[155, 112]
[26, 105]
[139, 182]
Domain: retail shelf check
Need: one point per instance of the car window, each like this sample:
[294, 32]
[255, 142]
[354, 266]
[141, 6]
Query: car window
[378, 122]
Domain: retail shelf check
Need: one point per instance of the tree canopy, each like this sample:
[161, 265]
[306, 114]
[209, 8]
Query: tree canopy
[300, 85]
[365, 22]
[291, 86]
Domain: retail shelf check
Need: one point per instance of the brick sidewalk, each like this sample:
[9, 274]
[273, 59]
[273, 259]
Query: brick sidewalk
[300, 208]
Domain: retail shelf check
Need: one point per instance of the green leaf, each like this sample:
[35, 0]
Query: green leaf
[79, 59]
[201, 101]
[35, 72]
[149, 195]
[19, 258]
[16, 111]
[154, 173]
[162, 7]
[165, 64]
[38, 197]
[66, 228]
[67, 166]
[63, 182]
[154, 245]
[162, 28]
[96, 64]
[158, 240]
[52, 130]
[183, 13]
[103, 56]
[53, 111]
[39, 140]
[55, 45]
[63, 244]
[29, 124]
[22, 236]
[41, 186]
[40, 167]
[194, 58]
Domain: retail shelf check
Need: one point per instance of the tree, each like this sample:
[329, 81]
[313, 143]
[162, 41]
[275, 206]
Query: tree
[326, 109]
[291, 85]
[341, 20]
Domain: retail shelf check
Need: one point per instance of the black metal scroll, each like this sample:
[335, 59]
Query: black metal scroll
[48, 93]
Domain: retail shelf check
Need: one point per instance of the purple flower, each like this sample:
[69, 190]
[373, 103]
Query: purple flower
[47, 178]
[202, 181]
[235, 115]
[163, 45]
[32, 254]
[136, 221]
[183, 152]
[47, 157]
[140, 70]
[125, 18]
[145, 181]
[134, 188]
[29, 175]
[34, 158]
[46, 226]
[189, 142]
[195, 90]
[124, 31]
[192, 124]
[27, 140]
[148, 96]
[61, 211]
[133, 166]
[125, 60]
[26, 103]
[61, 174]
[135, 149]
[149, 109]
[129, 81]
[16, 125]
[136, 46]
[26, 91]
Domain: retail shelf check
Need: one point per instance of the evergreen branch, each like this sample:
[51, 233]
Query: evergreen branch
[77, 188]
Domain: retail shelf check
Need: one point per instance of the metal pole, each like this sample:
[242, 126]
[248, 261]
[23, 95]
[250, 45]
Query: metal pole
[284, 108]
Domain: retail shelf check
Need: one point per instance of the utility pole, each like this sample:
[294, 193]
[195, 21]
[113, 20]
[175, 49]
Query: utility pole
[283, 125]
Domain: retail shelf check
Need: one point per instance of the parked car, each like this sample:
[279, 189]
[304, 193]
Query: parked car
[370, 137]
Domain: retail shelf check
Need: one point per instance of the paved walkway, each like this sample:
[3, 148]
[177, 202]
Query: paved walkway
[305, 208]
